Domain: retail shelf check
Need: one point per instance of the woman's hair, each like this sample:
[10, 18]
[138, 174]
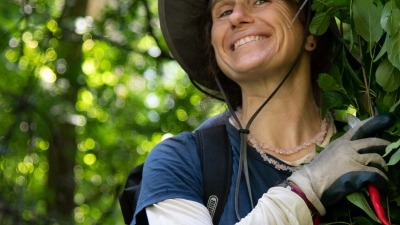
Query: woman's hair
[321, 58]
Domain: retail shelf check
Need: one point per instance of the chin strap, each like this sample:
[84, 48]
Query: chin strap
[298, 13]
[243, 167]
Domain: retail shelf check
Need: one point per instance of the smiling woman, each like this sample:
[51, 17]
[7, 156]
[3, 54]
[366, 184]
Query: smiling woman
[259, 57]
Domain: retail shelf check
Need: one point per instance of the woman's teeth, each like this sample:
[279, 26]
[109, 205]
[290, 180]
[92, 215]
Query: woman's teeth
[246, 40]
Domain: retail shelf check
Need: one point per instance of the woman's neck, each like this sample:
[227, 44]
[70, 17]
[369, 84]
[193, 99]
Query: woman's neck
[289, 119]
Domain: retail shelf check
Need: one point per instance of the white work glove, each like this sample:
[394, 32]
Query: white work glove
[345, 165]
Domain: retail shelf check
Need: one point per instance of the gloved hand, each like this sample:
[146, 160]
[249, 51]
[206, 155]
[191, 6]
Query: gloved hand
[345, 165]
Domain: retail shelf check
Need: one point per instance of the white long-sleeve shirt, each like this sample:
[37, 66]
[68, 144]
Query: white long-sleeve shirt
[278, 206]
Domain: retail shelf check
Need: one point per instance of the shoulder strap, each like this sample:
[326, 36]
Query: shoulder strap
[130, 195]
[216, 156]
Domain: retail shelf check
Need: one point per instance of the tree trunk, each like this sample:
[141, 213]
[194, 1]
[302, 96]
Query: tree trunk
[63, 149]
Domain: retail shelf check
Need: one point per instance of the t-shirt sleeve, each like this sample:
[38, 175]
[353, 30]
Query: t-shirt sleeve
[171, 170]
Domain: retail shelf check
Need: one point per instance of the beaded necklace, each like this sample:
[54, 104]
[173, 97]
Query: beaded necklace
[263, 147]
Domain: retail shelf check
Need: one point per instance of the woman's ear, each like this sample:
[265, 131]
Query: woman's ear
[311, 43]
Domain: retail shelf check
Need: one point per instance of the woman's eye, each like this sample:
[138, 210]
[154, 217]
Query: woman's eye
[222, 10]
[225, 13]
[259, 2]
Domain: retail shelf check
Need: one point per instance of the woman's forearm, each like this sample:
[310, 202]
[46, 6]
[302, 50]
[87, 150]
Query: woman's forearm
[278, 206]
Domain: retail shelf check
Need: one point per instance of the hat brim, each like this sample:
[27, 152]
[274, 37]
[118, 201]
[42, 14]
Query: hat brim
[179, 25]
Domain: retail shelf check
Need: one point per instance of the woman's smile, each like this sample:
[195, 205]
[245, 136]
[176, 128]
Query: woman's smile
[246, 40]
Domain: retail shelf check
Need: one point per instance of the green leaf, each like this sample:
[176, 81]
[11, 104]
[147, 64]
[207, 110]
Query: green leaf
[358, 199]
[331, 100]
[366, 20]
[362, 221]
[350, 70]
[328, 83]
[387, 76]
[319, 149]
[395, 20]
[322, 5]
[386, 14]
[385, 100]
[394, 107]
[382, 50]
[334, 71]
[340, 3]
[318, 5]
[391, 147]
[320, 23]
[393, 50]
[390, 18]
[395, 158]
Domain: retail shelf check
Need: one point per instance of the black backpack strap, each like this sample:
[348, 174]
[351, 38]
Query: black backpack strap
[216, 156]
[130, 196]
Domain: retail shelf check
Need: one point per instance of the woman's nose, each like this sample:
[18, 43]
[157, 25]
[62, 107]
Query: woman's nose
[240, 15]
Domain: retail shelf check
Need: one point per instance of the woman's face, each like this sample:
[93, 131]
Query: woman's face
[252, 37]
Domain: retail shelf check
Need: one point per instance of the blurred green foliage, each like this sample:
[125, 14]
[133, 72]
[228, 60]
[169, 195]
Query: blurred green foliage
[86, 89]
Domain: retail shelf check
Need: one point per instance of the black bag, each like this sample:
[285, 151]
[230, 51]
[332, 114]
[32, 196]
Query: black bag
[215, 154]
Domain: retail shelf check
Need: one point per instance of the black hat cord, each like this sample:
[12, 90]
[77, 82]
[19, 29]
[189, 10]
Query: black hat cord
[243, 167]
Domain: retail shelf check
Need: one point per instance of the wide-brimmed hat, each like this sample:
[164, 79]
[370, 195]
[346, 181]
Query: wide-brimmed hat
[181, 22]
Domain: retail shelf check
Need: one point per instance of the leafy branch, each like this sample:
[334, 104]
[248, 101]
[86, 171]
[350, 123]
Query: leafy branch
[369, 35]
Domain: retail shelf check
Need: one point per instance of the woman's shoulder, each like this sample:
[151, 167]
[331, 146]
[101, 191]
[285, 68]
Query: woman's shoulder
[172, 158]
[182, 145]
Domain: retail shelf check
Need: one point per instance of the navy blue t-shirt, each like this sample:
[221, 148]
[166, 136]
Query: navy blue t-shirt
[173, 170]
